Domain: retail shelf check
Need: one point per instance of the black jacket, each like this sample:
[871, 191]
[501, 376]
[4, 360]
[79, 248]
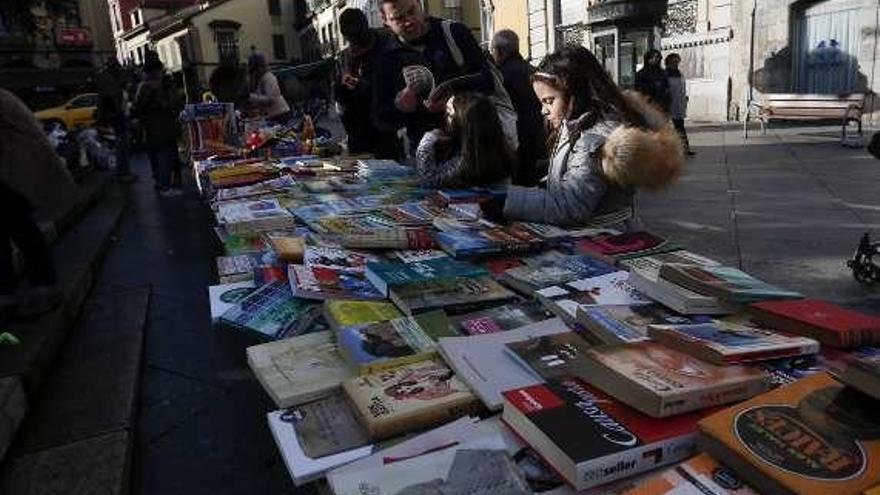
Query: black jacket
[654, 84]
[530, 123]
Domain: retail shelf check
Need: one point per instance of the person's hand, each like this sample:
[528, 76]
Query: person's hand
[406, 100]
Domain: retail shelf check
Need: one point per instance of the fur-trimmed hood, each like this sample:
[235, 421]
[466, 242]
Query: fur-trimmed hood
[650, 159]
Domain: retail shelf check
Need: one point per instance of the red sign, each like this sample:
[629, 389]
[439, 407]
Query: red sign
[74, 36]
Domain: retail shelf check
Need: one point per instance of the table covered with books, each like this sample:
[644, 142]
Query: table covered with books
[413, 346]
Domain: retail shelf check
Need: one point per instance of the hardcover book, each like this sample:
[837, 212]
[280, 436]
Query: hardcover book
[828, 323]
[272, 312]
[699, 475]
[626, 245]
[343, 312]
[552, 356]
[500, 319]
[561, 270]
[589, 437]
[812, 437]
[381, 345]
[609, 289]
[454, 295]
[413, 396]
[661, 382]
[725, 343]
[620, 324]
[223, 297]
[300, 369]
[326, 283]
[724, 282]
[388, 274]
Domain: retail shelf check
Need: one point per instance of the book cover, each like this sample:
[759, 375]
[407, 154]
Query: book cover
[552, 356]
[500, 319]
[483, 362]
[271, 311]
[225, 296]
[826, 322]
[619, 324]
[240, 243]
[609, 289]
[412, 396]
[626, 245]
[860, 370]
[589, 437]
[454, 295]
[300, 369]
[723, 343]
[724, 282]
[813, 436]
[302, 468]
[288, 247]
[326, 283]
[415, 255]
[560, 270]
[344, 312]
[326, 426]
[384, 344]
[387, 274]
[674, 296]
[699, 475]
[662, 382]
[651, 264]
[248, 216]
[338, 259]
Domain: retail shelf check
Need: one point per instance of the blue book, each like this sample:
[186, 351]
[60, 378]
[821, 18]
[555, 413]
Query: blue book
[554, 271]
[385, 275]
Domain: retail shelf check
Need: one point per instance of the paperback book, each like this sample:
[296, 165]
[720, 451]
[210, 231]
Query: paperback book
[344, 312]
[662, 382]
[828, 323]
[589, 437]
[699, 475]
[626, 245]
[288, 247]
[243, 243]
[552, 356]
[559, 270]
[384, 275]
[609, 289]
[724, 282]
[251, 216]
[811, 437]
[500, 319]
[620, 324]
[674, 296]
[481, 237]
[327, 283]
[409, 397]
[338, 259]
[272, 312]
[223, 297]
[725, 343]
[454, 295]
[265, 188]
[861, 371]
[300, 369]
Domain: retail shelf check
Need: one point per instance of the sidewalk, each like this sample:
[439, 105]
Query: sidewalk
[788, 207]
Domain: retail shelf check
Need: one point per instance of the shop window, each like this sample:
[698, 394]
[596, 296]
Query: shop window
[227, 46]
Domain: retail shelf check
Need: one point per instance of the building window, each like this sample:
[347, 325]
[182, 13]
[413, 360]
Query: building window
[279, 47]
[274, 7]
[227, 46]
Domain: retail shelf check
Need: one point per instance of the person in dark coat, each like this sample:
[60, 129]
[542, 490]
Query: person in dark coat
[652, 81]
[353, 87]
[158, 108]
[532, 152]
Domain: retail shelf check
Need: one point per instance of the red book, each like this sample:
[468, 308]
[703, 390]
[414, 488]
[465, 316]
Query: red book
[828, 323]
[627, 245]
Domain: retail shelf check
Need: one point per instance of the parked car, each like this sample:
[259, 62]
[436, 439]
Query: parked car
[79, 111]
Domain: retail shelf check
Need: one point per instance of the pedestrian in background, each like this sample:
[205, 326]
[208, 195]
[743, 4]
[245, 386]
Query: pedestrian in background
[265, 92]
[353, 88]
[34, 186]
[114, 112]
[678, 98]
[651, 80]
[517, 73]
[157, 107]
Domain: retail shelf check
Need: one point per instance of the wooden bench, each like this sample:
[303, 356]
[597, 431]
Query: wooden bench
[848, 108]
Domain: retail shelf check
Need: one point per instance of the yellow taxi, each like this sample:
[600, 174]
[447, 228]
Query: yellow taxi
[79, 111]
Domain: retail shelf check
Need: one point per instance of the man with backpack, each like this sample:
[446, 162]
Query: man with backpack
[424, 53]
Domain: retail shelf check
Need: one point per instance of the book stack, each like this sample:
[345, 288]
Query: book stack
[250, 216]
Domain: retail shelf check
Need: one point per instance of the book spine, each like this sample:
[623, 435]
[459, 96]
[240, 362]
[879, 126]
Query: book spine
[633, 461]
[716, 396]
[747, 357]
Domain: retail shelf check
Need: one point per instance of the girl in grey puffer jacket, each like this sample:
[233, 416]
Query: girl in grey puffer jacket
[606, 144]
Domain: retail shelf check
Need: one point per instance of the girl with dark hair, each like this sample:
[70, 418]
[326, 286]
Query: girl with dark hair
[651, 80]
[604, 144]
[471, 151]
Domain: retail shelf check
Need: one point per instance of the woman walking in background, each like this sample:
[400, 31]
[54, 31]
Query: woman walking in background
[678, 98]
[651, 80]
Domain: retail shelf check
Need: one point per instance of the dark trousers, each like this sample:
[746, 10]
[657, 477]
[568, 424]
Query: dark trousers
[679, 126]
[163, 164]
[122, 130]
[17, 225]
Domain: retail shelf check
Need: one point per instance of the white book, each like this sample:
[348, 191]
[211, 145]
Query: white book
[609, 289]
[482, 361]
[225, 296]
[250, 216]
[304, 469]
[674, 296]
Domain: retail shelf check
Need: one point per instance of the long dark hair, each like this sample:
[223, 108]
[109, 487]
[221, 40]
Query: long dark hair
[576, 72]
[476, 130]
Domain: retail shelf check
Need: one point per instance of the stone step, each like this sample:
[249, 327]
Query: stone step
[77, 255]
[92, 388]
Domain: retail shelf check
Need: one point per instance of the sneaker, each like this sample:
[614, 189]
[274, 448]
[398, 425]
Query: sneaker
[127, 178]
[170, 193]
